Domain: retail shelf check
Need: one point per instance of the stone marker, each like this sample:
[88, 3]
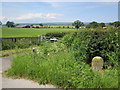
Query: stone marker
[97, 63]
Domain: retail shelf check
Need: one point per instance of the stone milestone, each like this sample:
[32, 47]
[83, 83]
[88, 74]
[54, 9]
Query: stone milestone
[97, 63]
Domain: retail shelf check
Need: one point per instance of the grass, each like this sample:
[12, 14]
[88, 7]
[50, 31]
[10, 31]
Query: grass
[65, 64]
[55, 64]
[16, 51]
[30, 32]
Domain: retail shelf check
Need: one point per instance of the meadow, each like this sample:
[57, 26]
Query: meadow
[31, 32]
[67, 63]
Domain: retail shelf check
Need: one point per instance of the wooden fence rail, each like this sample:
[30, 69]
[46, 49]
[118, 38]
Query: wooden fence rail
[14, 39]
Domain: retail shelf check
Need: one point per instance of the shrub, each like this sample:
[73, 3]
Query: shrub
[20, 43]
[89, 43]
[56, 34]
[56, 65]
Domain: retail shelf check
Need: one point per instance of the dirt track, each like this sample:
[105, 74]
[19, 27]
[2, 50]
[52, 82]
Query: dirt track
[5, 62]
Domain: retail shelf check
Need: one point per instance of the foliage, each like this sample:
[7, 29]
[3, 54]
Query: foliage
[102, 24]
[20, 43]
[0, 23]
[67, 62]
[56, 34]
[92, 25]
[77, 24]
[41, 24]
[55, 64]
[89, 43]
[10, 24]
[115, 24]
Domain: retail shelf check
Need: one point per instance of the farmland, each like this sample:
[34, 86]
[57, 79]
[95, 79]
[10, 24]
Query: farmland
[30, 32]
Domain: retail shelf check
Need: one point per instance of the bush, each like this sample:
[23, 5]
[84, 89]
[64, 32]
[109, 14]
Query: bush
[56, 34]
[87, 44]
[20, 43]
[56, 65]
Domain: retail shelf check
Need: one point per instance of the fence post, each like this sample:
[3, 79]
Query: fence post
[12, 39]
[42, 37]
[30, 40]
[1, 41]
[15, 39]
[38, 39]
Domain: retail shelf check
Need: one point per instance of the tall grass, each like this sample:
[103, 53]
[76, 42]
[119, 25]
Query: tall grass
[55, 64]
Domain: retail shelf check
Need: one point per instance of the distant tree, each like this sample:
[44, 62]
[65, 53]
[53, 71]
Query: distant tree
[102, 24]
[17, 24]
[88, 26]
[93, 24]
[77, 24]
[63, 26]
[0, 23]
[116, 23]
[37, 27]
[111, 24]
[67, 26]
[41, 24]
[31, 25]
[10, 24]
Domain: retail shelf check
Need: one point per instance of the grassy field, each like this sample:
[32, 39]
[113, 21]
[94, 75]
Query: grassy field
[30, 32]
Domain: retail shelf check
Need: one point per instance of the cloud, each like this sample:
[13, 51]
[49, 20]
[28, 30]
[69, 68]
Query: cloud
[38, 15]
[33, 16]
[54, 4]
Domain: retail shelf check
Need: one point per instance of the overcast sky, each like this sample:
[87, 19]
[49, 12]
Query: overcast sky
[40, 12]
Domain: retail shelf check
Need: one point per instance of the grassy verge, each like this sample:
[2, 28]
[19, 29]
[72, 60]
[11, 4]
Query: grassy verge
[16, 51]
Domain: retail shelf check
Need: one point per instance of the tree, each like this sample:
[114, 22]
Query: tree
[67, 26]
[94, 24]
[102, 25]
[41, 24]
[111, 24]
[88, 26]
[17, 24]
[77, 24]
[116, 23]
[10, 24]
[0, 23]
[31, 25]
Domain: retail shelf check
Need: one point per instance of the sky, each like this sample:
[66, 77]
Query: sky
[43, 12]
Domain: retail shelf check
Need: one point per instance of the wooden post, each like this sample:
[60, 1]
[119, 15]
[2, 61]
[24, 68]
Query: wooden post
[42, 37]
[38, 39]
[12, 39]
[15, 39]
[30, 40]
[1, 41]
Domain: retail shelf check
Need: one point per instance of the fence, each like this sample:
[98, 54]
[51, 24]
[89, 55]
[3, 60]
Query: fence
[21, 42]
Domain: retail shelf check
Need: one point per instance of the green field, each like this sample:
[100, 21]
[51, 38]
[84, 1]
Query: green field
[30, 32]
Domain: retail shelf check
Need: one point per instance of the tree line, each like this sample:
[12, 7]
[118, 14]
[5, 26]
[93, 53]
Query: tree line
[94, 24]
[77, 24]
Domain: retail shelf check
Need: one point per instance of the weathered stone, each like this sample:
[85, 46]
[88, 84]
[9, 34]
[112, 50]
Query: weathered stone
[97, 63]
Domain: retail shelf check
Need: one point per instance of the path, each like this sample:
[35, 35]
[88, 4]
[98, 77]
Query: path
[5, 62]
